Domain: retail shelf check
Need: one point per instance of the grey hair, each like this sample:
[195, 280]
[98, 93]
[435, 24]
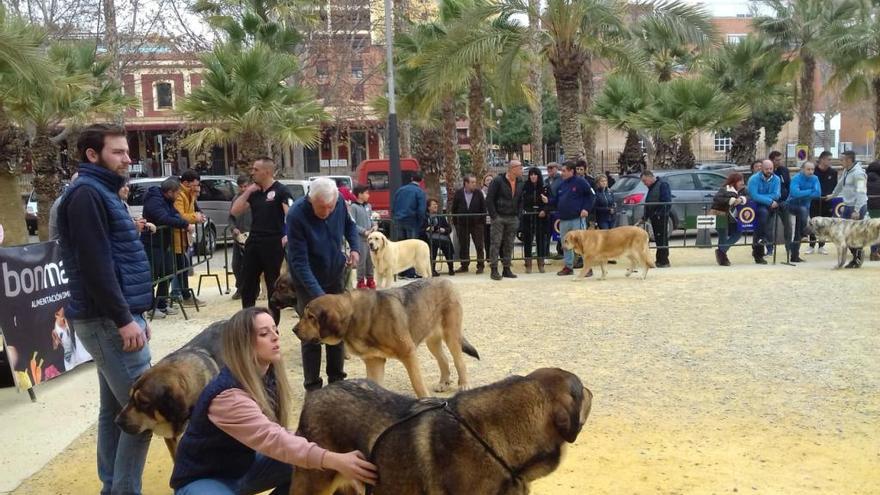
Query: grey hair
[170, 184]
[323, 189]
[804, 165]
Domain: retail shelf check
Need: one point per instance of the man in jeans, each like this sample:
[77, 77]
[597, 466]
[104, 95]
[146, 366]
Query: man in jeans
[573, 201]
[410, 209]
[317, 225]
[853, 188]
[764, 189]
[504, 203]
[107, 301]
[159, 210]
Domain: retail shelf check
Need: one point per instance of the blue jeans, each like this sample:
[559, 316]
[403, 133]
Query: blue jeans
[728, 236]
[565, 226]
[121, 456]
[265, 474]
[801, 216]
[180, 282]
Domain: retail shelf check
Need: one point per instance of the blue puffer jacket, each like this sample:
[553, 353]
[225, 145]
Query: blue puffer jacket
[160, 211]
[764, 191]
[409, 205]
[105, 261]
[803, 189]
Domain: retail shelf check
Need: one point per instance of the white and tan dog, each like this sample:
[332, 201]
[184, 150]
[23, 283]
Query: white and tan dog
[846, 233]
[390, 258]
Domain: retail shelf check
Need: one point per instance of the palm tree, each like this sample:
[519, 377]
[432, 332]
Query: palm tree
[681, 108]
[82, 87]
[798, 28]
[244, 98]
[21, 61]
[618, 104]
[748, 72]
[854, 51]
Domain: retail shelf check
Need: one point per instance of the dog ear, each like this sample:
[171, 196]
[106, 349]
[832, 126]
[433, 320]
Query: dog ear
[571, 408]
[328, 320]
[171, 404]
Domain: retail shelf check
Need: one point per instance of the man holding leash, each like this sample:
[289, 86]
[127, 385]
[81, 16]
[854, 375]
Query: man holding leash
[107, 301]
[573, 201]
[853, 188]
[318, 224]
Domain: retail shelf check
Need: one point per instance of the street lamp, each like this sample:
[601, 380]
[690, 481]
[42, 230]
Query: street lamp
[498, 114]
[393, 144]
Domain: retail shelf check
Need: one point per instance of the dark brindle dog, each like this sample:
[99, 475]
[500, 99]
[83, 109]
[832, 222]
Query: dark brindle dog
[493, 440]
[162, 399]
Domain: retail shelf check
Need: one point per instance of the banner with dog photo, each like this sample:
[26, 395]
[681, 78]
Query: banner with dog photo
[39, 343]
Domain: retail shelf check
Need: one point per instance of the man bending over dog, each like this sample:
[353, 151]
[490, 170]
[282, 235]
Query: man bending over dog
[316, 227]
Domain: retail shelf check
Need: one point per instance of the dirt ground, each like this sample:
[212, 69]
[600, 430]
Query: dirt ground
[706, 380]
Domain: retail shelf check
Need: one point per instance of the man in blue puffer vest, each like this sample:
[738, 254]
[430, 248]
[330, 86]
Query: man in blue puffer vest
[765, 190]
[803, 189]
[110, 288]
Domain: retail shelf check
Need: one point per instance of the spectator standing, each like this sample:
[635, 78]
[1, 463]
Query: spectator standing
[318, 225]
[504, 203]
[437, 234]
[535, 219]
[573, 203]
[409, 207]
[362, 214]
[657, 206]
[781, 170]
[469, 210]
[853, 188]
[803, 189]
[268, 201]
[604, 204]
[185, 204]
[487, 231]
[110, 289]
[53, 213]
[241, 224]
[731, 195]
[554, 179]
[159, 210]
[820, 207]
[764, 189]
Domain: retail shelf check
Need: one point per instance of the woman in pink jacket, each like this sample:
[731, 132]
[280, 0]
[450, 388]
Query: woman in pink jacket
[237, 441]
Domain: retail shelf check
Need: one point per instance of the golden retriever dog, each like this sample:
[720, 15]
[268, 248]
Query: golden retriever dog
[599, 246]
[380, 324]
[494, 439]
[391, 258]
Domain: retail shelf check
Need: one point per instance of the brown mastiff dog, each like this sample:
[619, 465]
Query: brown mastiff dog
[162, 399]
[599, 246]
[494, 440]
[380, 324]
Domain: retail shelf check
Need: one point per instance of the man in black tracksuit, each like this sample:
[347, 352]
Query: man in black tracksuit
[821, 207]
[268, 201]
[658, 214]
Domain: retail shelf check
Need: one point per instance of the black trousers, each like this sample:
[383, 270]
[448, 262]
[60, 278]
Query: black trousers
[467, 231]
[311, 353]
[237, 262]
[443, 244]
[536, 231]
[661, 237]
[261, 257]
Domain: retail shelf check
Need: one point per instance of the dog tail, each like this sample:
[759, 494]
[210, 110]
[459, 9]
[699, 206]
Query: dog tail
[468, 349]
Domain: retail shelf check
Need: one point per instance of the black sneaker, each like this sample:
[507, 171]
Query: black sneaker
[760, 261]
[853, 264]
[506, 273]
[663, 265]
[798, 259]
[565, 271]
[495, 275]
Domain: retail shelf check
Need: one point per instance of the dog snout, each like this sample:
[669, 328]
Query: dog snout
[122, 422]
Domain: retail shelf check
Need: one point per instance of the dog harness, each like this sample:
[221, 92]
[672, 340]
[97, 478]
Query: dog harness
[439, 404]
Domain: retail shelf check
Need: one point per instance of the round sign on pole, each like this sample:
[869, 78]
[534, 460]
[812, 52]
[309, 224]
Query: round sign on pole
[802, 152]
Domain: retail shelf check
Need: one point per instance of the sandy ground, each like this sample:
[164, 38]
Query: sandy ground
[706, 380]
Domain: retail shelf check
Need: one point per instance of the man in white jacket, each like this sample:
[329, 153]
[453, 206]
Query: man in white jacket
[853, 188]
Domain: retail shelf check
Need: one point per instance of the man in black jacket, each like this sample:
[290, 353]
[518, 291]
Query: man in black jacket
[658, 214]
[781, 170]
[504, 202]
[821, 207]
[469, 200]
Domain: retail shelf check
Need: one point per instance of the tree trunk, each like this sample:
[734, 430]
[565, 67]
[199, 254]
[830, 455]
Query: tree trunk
[805, 104]
[567, 98]
[11, 207]
[631, 161]
[589, 131]
[684, 155]
[111, 39]
[449, 146]
[428, 149]
[250, 147]
[406, 129]
[298, 161]
[826, 127]
[744, 144]
[47, 184]
[536, 84]
[665, 151]
[477, 127]
[875, 86]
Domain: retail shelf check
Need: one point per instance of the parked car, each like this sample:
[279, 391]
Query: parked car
[297, 188]
[341, 180]
[691, 189]
[374, 174]
[215, 200]
[716, 166]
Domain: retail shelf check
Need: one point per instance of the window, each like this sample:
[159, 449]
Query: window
[722, 142]
[711, 182]
[357, 93]
[357, 69]
[735, 38]
[313, 161]
[217, 190]
[164, 98]
[377, 181]
[681, 182]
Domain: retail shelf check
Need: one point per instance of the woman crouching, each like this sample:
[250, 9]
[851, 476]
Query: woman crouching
[237, 441]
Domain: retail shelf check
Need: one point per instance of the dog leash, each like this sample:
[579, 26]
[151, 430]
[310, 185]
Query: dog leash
[433, 405]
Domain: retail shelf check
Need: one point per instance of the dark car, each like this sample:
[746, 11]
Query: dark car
[692, 192]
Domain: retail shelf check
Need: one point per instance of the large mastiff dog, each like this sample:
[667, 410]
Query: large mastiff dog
[599, 246]
[493, 440]
[380, 324]
[162, 399]
[846, 233]
[391, 258]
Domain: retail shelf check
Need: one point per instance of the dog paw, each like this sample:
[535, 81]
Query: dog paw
[443, 386]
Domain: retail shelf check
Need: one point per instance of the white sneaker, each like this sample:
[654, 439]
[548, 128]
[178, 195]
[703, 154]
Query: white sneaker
[809, 251]
[822, 250]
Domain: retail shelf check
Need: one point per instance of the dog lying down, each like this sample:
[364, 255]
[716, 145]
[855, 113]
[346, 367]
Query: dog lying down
[495, 439]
